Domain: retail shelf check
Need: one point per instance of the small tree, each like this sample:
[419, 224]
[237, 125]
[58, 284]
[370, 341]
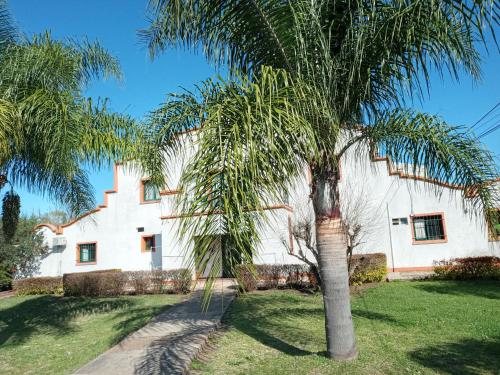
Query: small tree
[20, 254]
[359, 217]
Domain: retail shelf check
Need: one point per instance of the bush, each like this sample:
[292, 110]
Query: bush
[139, 281]
[284, 275]
[471, 268]
[269, 275]
[160, 281]
[95, 283]
[367, 268]
[38, 285]
[246, 278]
[180, 280]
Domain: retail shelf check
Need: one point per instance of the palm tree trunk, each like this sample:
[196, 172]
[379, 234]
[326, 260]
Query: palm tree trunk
[331, 244]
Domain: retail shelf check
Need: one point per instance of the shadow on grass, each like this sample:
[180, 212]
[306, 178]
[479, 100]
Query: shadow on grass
[479, 288]
[372, 315]
[279, 327]
[50, 314]
[466, 357]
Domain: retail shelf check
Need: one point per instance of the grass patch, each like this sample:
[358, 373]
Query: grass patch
[425, 327]
[55, 335]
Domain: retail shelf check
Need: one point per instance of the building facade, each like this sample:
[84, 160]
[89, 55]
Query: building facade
[414, 221]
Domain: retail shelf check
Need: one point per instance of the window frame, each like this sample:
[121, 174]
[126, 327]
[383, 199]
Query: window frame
[428, 242]
[492, 236]
[78, 250]
[142, 191]
[143, 243]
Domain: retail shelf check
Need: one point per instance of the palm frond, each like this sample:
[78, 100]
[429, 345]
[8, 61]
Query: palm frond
[254, 138]
[8, 32]
[243, 36]
[48, 130]
[425, 145]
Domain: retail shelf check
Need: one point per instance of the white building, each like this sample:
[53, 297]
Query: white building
[136, 227]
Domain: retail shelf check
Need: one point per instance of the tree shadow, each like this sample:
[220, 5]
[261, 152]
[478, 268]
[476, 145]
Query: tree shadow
[372, 315]
[466, 357]
[135, 318]
[50, 313]
[479, 288]
[254, 317]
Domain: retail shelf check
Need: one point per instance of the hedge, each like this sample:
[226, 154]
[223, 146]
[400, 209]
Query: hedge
[364, 268]
[94, 283]
[160, 281]
[367, 268]
[471, 268]
[116, 282]
[38, 285]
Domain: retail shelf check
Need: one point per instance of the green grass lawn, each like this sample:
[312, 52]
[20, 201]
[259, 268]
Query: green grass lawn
[402, 328]
[55, 335]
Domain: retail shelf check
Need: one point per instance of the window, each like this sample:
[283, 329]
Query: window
[495, 229]
[148, 243]
[86, 252]
[149, 192]
[400, 220]
[428, 228]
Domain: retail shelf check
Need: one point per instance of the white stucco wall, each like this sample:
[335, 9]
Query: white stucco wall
[383, 197]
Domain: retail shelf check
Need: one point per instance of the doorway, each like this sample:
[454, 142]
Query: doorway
[221, 258]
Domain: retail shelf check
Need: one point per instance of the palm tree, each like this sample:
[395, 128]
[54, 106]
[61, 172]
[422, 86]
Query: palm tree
[303, 76]
[48, 130]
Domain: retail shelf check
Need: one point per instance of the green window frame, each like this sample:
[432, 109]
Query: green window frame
[150, 192]
[495, 229]
[429, 228]
[87, 252]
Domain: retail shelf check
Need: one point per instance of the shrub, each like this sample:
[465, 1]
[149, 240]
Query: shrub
[367, 268]
[180, 280]
[159, 281]
[246, 278]
[296, 275]
[471, 268]
[38, 285]
[269, 275]
[284, 275]
[95, 283]
[139, 281]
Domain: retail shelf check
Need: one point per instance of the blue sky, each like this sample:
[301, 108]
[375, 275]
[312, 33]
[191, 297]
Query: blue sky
[115, 23]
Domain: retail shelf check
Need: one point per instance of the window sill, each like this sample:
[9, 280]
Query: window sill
[86, 263]
[429, 242]
[150, 202]
[170, 192]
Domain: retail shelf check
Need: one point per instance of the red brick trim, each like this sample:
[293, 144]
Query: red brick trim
[404, 175]
[428, 242]
[78, 263]
[58, 229]
[413, 269]
[179, 216]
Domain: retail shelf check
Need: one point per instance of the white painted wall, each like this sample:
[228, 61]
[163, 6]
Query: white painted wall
[114, 227]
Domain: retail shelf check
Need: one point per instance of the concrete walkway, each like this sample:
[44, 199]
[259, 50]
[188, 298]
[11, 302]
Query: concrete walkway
[168, 344]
